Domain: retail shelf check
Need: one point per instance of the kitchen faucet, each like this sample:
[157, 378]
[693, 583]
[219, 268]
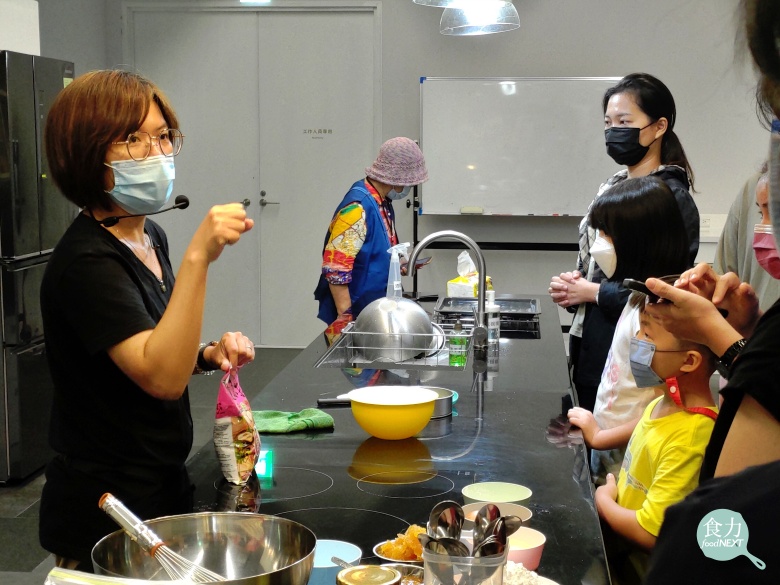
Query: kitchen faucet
[479, 333]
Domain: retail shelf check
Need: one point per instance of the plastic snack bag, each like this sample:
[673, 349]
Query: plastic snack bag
[236, 439]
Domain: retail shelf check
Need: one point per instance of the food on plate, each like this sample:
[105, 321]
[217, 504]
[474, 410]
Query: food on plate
[517, 574]
[411, 580]
[406, 547]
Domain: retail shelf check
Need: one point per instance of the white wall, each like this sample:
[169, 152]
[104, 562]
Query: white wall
[75, 31]
[19, 26]
[689, 44]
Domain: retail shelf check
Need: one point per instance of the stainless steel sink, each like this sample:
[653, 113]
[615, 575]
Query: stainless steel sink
[350, 351]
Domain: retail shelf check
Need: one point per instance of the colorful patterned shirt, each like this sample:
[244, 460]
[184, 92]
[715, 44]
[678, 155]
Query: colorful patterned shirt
[348, 233]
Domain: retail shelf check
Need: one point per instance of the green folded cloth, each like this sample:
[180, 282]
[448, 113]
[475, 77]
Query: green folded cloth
[274, 421]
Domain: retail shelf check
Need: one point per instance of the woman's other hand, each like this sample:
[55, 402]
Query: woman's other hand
[233, 351]
[562, 288]
[735, 299]
[223, 225]
[571, 289]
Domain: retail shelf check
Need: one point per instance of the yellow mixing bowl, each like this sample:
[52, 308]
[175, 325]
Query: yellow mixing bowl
[392, 412]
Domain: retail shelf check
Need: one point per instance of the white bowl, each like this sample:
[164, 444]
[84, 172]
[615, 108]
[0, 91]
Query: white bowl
[504, 508]
[495, 491]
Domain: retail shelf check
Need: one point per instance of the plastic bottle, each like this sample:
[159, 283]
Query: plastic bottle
[394, 288]
[458, 345]
[493, 318]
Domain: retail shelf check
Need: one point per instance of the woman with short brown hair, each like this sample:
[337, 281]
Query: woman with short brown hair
[122, 340]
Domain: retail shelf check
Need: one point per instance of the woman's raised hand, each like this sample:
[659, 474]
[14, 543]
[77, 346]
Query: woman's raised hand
[690, 315]
[223, 225]
[736, 299]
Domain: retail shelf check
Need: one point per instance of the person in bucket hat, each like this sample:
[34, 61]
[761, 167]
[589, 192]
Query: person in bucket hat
[355, 261]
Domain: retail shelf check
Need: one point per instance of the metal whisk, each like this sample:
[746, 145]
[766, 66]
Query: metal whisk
[174, 564]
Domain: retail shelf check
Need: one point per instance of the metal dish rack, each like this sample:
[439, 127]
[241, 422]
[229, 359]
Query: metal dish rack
[346, 352]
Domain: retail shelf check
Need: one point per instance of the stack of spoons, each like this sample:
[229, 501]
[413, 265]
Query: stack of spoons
[491, 530]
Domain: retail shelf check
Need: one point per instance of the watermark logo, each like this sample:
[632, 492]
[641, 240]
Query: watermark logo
[723, 535]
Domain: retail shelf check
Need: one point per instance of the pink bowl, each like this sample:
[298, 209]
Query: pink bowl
[526, 546]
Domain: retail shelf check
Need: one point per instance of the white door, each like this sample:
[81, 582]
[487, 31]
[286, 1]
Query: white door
[316, 137]
[274, 102]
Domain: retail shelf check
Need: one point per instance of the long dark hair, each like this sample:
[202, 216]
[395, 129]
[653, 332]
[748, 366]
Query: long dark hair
[762, 32]
[643, 219]
[655, 100]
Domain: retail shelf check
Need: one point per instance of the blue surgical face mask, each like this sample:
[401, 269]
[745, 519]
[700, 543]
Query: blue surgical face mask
[640, 358]
[395, 195]
[142, 186]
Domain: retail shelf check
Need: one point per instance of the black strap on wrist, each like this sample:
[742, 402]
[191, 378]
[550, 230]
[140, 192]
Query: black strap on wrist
[726, 361]
[201, 365]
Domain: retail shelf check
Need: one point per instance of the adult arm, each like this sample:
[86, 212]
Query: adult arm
[161, 360]
[341, 297]
[752, 424]
[688, 315]
[348, 233]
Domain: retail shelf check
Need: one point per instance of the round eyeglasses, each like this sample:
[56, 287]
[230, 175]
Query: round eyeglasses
[139, 144]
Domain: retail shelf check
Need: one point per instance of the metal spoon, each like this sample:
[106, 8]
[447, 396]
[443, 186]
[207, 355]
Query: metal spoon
[513, 524]
[455, 548]
[444, 518]
[497, 530]
[341, 563]
[489, 547]
[425, 539]
[443, 571]
[485, 515]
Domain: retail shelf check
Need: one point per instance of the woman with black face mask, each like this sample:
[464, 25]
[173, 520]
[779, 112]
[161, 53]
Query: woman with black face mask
[639, 118]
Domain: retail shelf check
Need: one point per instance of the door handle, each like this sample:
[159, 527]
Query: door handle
[263, 201]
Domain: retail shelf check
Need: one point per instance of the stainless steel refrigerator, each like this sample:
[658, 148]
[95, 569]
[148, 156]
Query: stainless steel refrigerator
[33, 216]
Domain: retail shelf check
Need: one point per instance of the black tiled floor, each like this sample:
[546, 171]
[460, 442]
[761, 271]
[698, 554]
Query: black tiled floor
[22, 560]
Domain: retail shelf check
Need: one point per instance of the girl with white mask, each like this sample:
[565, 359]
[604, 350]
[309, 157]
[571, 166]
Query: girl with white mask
[639, 232]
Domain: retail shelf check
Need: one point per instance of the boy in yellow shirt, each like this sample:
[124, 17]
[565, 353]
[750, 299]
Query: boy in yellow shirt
[664, 455]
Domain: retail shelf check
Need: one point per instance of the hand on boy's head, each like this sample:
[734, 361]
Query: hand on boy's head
[686, 315]
[741, 305]
[701, 280]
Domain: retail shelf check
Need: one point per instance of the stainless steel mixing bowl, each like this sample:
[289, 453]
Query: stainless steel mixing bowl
[248, 549]
[392, 329]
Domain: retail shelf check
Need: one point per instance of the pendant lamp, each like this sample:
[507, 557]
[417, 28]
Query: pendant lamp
[478, 17]
[436, 3]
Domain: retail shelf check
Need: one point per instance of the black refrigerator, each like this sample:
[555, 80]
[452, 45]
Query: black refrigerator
[33, 216]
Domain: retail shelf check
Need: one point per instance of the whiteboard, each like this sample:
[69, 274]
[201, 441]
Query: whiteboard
[514, 145]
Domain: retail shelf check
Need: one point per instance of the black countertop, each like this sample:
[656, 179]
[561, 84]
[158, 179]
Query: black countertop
[498, 432]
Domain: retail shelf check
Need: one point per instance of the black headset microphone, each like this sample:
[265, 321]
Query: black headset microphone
[181, 202]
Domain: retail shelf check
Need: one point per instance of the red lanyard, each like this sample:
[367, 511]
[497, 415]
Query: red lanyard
[674, 390]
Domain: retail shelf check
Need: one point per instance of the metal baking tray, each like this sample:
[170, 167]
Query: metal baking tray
[508, 305]
[519, 315]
